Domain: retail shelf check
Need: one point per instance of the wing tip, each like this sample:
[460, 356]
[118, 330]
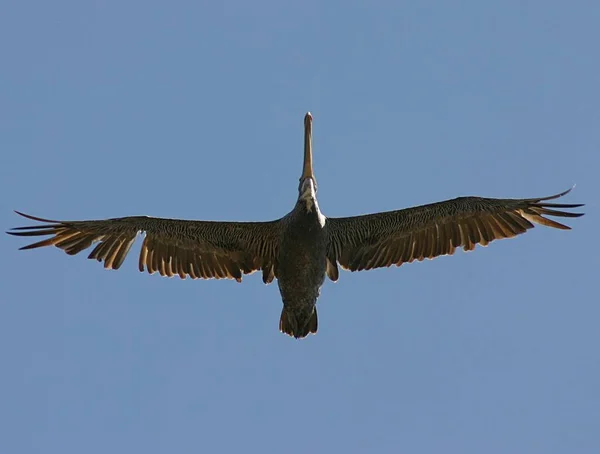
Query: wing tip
[35, 218]
[556, 196]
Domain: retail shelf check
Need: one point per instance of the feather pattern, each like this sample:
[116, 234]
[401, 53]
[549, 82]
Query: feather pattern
[199, 249]
[396, 237]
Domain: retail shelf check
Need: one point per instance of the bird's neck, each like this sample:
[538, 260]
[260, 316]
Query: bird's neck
[308, 209]
[309, 204]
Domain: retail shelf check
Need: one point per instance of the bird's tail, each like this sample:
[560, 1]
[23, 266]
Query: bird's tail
[298, 324]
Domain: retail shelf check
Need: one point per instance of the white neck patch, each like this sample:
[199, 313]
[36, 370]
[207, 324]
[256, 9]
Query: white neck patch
[310, 204]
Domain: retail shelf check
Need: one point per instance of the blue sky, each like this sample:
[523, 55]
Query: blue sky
[194, 110]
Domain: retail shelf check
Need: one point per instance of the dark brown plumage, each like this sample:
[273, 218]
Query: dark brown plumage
[428, 231]
[199, 249]
[303, 246]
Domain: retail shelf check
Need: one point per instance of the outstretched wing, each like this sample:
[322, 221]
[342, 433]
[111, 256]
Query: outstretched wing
[396, 237]
[199, 249]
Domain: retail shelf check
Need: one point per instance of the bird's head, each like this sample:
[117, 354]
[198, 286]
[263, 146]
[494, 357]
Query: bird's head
[307, 190]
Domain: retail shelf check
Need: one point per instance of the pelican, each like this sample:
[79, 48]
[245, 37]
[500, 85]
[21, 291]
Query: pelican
[302, 247]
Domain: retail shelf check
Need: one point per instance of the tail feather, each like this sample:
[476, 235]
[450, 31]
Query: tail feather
[295, 324]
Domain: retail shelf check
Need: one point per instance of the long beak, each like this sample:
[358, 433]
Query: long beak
[307, 171]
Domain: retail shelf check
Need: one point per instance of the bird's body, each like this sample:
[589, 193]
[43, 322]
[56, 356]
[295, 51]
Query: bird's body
[303, 247]
[301, 268]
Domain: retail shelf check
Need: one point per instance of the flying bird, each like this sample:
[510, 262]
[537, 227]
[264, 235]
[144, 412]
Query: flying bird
[304, 246]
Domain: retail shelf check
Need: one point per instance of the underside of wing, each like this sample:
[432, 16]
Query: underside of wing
[428, 231]
[199, 249]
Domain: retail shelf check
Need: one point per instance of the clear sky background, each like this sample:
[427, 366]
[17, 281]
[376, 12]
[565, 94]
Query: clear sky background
[194, 110]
